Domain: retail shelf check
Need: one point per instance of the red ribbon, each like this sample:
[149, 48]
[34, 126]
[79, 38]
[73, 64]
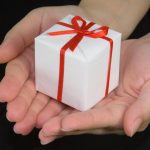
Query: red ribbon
[81, 31]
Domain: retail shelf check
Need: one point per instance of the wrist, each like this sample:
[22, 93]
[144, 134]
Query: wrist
[122, 16]
[105, 17]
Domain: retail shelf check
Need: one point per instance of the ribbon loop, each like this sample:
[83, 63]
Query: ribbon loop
[82, 28]
[76, 23]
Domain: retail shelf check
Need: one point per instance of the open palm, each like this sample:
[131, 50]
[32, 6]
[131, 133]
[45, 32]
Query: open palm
[18, 87]
[29, 108]
[126, 107]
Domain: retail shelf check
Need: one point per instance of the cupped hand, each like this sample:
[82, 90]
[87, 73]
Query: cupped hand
[18, 87]
[117, 111]
[127, 107]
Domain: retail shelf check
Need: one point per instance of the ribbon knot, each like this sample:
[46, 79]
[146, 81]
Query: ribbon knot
[81, 28]
[83, 32]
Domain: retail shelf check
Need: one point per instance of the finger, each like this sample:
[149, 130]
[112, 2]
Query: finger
[45, 140]
[48, 139]
[26, 125]
[108, 116]
[138, 114]
[100, 131]
[17, 109]
[17, 72]
[52, 109]
[21, 36]
[52, 127]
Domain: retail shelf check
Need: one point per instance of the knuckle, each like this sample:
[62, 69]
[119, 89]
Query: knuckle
[41, 101]
[53, 104]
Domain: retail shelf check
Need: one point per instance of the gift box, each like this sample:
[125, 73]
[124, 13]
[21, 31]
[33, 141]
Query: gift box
[77, 62]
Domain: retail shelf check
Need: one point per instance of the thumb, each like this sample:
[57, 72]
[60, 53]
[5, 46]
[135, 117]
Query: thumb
[137, 117]
[93, 119]
[20, 36]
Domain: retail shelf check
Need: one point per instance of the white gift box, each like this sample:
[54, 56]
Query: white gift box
[85, 68]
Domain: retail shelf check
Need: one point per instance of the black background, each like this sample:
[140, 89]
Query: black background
[10, 13]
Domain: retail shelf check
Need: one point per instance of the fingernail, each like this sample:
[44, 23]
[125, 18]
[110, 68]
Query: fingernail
[2, 101]
[66, 130]
[44, 133]
[47, 141]
[15, 130]
[44, 142]
[8, 117]
[136, 126]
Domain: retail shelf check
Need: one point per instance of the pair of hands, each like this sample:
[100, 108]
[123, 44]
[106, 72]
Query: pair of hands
[127, 107]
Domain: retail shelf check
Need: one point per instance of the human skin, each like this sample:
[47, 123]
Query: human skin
[126, 108]
[27, 107]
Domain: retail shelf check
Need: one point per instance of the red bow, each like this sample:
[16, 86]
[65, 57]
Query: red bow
[81, 30]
